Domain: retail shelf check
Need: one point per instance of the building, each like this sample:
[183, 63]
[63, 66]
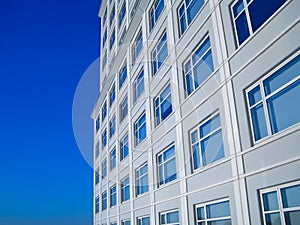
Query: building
[197, 121]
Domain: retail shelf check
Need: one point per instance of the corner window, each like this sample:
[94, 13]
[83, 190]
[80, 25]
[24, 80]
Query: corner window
[187, 11]
[104, 200]
[123, 109]
[137, 45]
[122, 14]
[104, 138]
[124, 150]
[104, 168]
[198, 67]
[122, 76]
[125, 190]
[281, 205]
[166, 162]
[138, 85]
[113, 196]
[140, 129]
[155, 12]
[271, 102]
[248, 16]
[113, 159]
[112, 39]
[163, 105]
[142, 179]
[169, 218]
[112, 126]
[104, 111]
[112, 95]
[207, 143]
[160, 53]
[97, 205]
[145, 220]
[217, 212]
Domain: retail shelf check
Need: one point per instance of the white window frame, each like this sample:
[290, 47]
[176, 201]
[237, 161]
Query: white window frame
[113, 159]
[281, 209]
[166, 213]
[139, 178]
[137, 142]
[136, 83]
[112, 14]
[153, 9]
[123, 222]
[142, 217]
[104, 168]
[159, 120]
[121, 73]
[104, 200]
[123, 143]
[204, 205]
[112, 126]
[123, 188]
[113, 194]
[265, 98]
[120, 20]
[156, 51]
[112, 92]
[97, 205]
[104, 106]
[136, 43]
[123, 106]
[102, 138]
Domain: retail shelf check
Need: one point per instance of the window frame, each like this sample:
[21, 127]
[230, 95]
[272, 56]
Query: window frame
[123, 108]
[112, 94]
[104, 111]
[97, 175]
[112, 14]
[260, 83]
[112, 39]
[167, 212]
[138, 141]
[113, 195]
[136, 83]
[281, 210]
[97, 123]
[139, 178]
[157, 51]
[125, 222]
[112, 126]
[123, 143]
[141, 218]
[154, 9]
[205, 204]
[104, 200]
[97, 205]
[104, 138]
[189, 59]
[125, 188]
[121, 71]
[104, 168]
[113, 159]
[122, 14]
[200, 139]
[158, 121]
[163, 163]
[138, 39]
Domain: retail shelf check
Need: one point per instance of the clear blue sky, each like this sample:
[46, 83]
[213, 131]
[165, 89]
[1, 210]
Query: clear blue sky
[45, 48]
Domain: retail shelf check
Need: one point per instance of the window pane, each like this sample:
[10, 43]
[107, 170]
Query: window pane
[170, 170]
[259, 122]
[212, 148]
[291, 196]
[201, 50]
[203, 68]
[254, 95]
[292, 218]
[173, 217]
[270, 201]
[210, 125]
[189, 83]
[193, 9]
[216, 210]
[242, 28]
[200, 213]
[280, 115]
[196, 156]
[238, 7]
[273, 219]
[261, 10]
[169, 153]
[220, 222]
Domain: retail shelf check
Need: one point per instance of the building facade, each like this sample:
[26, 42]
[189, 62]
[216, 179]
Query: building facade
[197, 119]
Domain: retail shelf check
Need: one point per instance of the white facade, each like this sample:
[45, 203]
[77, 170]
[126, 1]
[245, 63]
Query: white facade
[206, 113]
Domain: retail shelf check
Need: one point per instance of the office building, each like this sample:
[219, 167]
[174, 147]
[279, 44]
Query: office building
[197, 120]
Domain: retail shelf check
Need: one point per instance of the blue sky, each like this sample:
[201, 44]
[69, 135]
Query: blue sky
[45, 48]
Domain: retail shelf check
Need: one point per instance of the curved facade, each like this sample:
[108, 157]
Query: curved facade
[197, 119]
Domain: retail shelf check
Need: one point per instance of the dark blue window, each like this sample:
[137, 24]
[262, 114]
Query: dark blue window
[163, 105]
[167, 166]
[140, 129]
[160, 53]
[155, 12]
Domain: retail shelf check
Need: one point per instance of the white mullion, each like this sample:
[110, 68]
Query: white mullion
[266, 112]
[246, 5]
[280, 205]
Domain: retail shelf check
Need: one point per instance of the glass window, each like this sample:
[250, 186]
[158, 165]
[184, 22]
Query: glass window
[126, 222]
[104, 37]
[281, 202]
[217, 212]
[97, 175]
[123, 109]
[160, 53]
[140, 129]
[122, 76]
[112, 39]
[104, 200]
[163, 105]
[143, 220]
[113, 196]
[104, 17]
[104, 138]
[166, 162]
[270, 99]
[104, 59]
[113, 159]
[248, 16]
[97, 149]
[97, 205]
[155, 12]
[104, 168]
[112, 95]
[112, 126]
[104, 111]
[124, 150]
[98, 123]
[125, 190]
[207, 143]
[139, 85]
[112, 14]
[137, 45]
[122, 14]
[113, 223]
[169, 218]
[142, 179]
[187, 11]
[199, 66]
